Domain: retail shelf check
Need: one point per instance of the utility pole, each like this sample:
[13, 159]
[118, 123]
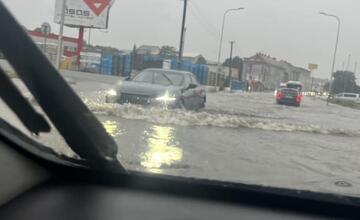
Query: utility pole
[355, 67]
[219, 69]
[89, 37]
[61, 32]
[45, 41]
[231, 62]
[348, 63]
[182, 37]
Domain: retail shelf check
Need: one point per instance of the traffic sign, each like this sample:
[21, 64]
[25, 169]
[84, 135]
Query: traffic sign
[45, 29]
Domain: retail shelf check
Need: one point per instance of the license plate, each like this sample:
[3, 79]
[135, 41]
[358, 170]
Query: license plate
[289, 96]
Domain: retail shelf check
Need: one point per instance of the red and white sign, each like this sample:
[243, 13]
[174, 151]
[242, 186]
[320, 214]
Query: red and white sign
[84, 13]
[97, 6]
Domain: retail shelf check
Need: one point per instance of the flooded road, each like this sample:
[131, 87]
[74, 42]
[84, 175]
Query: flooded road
[242, 137]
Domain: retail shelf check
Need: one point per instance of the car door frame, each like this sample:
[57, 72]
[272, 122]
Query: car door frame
[187, 93]
[198, 97]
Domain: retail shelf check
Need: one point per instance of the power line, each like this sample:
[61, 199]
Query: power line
[206, 20]
[204, 27]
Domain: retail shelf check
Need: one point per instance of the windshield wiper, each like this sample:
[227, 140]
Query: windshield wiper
[79, 127]
[32, 120]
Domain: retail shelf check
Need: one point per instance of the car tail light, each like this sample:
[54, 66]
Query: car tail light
[280, 95]
[298, 98]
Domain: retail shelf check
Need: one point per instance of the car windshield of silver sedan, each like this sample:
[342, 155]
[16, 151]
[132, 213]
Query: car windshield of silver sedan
[146, 77]
[176, 79]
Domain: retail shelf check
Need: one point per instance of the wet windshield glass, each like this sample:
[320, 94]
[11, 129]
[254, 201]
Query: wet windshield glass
[265, 110]
[294, 86]
[176, 79]
[350, 95]
[146, 77]
[160, 79]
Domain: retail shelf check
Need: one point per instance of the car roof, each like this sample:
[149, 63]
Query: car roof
[348, 93]
[288, 89]
[294, 82]
[168, 71]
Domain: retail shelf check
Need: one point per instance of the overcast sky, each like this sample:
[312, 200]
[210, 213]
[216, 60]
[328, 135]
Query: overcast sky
[291, 30]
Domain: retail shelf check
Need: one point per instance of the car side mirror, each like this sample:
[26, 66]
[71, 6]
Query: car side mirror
[192, 86]
[127, 78]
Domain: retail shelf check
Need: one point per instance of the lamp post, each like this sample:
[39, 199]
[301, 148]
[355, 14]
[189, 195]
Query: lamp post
[221, 41]
[336, 46]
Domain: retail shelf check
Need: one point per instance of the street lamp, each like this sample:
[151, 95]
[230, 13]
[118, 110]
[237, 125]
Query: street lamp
[221, 41]
[336, 46]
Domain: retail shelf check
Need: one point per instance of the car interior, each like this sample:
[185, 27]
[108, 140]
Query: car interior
[38, 183]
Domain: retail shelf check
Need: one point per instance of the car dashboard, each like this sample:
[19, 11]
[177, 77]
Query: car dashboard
[32, 188]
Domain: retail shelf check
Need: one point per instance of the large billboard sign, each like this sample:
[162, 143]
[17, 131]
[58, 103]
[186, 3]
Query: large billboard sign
[312, 66]
[84, 13]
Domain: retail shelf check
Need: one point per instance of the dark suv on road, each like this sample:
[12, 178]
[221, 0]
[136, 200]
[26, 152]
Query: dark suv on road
[288, 96]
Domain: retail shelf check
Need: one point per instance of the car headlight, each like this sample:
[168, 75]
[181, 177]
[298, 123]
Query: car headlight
[111, 92]
[167, 97]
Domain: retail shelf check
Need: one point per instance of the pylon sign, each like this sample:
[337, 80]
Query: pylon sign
[313, 66]
[84, 13]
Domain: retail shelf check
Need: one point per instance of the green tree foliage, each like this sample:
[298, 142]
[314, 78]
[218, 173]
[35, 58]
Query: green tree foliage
[201, 60]
[344, 81]
[326, 86]
[168, 51]
[237, 63]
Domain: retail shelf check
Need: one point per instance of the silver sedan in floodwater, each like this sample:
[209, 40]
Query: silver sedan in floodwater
[160, 87]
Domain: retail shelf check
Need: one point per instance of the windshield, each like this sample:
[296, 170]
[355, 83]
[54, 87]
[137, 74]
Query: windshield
[350, 95]
[294, 86]
[176, 79]
[146, 77]
[209, 101]
[160, 78]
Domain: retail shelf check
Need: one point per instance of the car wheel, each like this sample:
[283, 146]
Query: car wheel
[182, 104]
[203, 103]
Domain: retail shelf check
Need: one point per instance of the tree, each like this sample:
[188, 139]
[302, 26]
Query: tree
[201, 60]
[326, 86]
[344, 81]
[237, 63]
[134, 49]
[168, 51]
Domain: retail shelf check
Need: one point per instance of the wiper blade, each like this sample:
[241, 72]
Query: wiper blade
[79, 127]
[32, 120]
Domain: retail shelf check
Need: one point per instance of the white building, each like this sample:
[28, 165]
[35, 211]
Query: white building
[271, 72]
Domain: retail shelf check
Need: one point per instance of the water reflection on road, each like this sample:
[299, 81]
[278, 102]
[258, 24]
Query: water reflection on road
[112, 128]
[162, 151]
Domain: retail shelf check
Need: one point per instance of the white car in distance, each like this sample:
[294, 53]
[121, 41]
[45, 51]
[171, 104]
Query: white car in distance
[350, 97]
